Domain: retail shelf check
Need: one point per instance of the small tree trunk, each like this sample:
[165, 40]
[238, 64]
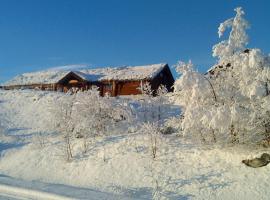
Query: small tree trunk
[154, 146]
[68, 148]
[214, 136]
[233, 134]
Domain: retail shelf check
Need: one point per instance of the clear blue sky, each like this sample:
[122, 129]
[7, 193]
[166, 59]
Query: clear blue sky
[38, 34]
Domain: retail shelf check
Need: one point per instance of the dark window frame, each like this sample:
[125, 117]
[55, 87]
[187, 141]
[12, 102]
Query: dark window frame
[107, 86]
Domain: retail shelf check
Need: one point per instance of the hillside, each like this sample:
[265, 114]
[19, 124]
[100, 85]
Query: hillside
[118, 165]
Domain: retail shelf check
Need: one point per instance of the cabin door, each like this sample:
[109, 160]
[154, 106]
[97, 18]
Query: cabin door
[76, 85]
[107, 89]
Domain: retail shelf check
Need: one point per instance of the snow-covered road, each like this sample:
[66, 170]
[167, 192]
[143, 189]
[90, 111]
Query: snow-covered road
[11, 192]
[11, 189]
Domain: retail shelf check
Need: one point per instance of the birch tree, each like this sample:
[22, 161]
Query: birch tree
[231, 102]
[64, 123]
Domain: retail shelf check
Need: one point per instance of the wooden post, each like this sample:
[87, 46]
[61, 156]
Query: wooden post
[141, 85]
[114, 92]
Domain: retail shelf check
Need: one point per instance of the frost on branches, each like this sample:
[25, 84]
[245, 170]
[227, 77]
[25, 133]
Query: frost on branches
[230, 103]
[86, 115]
[238, 38]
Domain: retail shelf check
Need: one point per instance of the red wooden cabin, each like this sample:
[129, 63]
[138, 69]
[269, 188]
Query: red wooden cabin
[113, 81]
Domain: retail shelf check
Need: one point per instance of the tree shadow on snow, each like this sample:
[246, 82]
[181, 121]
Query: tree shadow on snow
[15, 131]
[203, 181]
[4, 176]
[20, 134]
[60, 189]
[147, 193]
[5, 146]
[206, 181]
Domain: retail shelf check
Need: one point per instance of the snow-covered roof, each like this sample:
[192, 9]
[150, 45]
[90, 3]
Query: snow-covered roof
[41, 77]
[97, 74]
[217, 67]
[126, 73]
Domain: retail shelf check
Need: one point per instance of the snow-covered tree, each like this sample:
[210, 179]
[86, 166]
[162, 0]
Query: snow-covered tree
[194, 93]
[63, 121]
[2, 125]
[3, 122]
[231, 102]
[152, 102]
[238, 38]
[153, 132]
[161, 100]
[146, 102]
[96, 115]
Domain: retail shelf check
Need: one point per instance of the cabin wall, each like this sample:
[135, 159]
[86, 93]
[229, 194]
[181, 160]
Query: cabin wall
[163, 78]
[82, 86]
[129, 87]
[116, 88]
[106, 87]
[31, 86]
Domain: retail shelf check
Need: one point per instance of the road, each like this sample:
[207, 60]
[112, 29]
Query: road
[18, 189]
[12, 192]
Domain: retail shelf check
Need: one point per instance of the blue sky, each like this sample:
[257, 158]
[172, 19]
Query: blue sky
[39, 34]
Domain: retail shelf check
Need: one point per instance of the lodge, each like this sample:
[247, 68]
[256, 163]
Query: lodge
[112, 80]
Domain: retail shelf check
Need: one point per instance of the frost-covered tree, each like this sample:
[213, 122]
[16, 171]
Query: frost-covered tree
[152, 102]
[82, 116]
[238, 38]
[231, 102]
[97, 115]
[2, 125]
[3, 122]
[194, 93]
[161, 99]
[153, 133]
[86, 125]
[146, 102]
[63, 121]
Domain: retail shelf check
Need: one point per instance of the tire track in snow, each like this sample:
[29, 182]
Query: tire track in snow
[22, 194]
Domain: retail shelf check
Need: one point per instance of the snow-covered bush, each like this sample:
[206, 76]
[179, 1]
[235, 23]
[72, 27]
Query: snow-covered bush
[63, 121]
[4, 124]
[160, 100]
[231, 102]
[146, 102]
[2, 128]
[86, 115]
[153, 132]
[1, 124]
[40, 140]
[153, 103]
[96, 115]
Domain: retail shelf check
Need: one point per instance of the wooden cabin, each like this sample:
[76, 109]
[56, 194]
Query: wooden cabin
[112, 81]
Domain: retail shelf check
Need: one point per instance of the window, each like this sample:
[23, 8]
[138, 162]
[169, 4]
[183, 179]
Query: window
[108, 86]
[73, 81]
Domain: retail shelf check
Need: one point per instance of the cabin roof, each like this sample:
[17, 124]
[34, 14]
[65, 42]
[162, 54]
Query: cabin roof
[97, 74]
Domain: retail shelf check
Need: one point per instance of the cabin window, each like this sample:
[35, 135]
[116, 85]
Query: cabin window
[108, 86]
[73, 81]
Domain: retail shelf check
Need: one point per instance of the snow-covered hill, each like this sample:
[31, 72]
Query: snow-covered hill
[119, 163]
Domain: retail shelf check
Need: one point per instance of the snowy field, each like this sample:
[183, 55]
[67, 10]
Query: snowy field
[117, 165]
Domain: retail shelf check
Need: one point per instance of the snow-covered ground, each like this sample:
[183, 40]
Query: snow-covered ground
[11, 188]
[117, 166]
